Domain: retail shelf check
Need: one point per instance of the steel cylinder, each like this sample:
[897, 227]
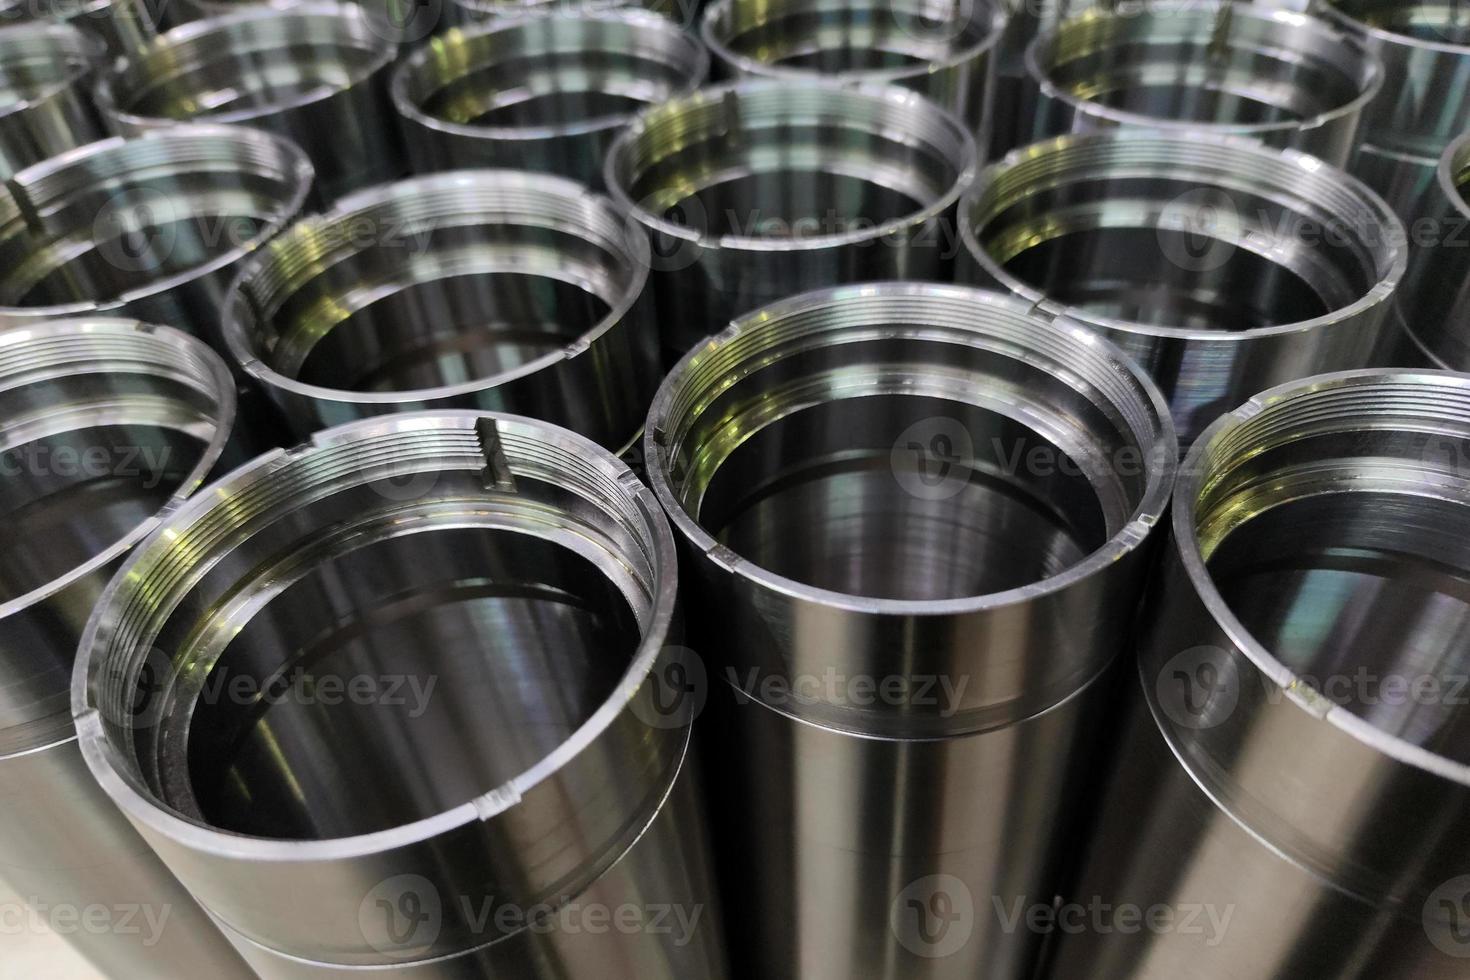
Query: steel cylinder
[1281, 77]
[45, 82]
[1289, 798]
[316, 73]
[490, 289]
[800, 185]
[944, 51]
[1222, 266]
[104, 424]
[464, 13]
[119, 25]
[914, 521]
[1425, 101]
[1436, 303]
[492, 790]
[149, 227]
[545, 93]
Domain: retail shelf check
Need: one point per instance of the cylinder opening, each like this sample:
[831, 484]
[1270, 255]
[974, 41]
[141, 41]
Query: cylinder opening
[561, 73]
[882, 38]
[908, 445]
[1180, 233]
[121, 219]
[39, 60]
[249, 64]
[1334, 526]
[791, 161]
[1217, 64]
[103, 425]
[436, 282]
[1445, 22]
[374, 629]
[1458, 172]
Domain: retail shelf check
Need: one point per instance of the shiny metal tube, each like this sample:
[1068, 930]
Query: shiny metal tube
[1222, 266]
[1425, 101]
[45, 80]
[942, 49]
[1436, 301]
[150, 227]
[464, 13]
[762, 189]
[505, 590]
[490, 289]
[120, 25]
[104, 423]
[1280, 77]
[545, 93]
[1295, 778]
[315, 73]
[914, 520]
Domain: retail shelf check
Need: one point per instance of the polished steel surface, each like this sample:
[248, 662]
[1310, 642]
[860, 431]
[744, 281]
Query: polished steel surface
[1222, 266]
[545, 93]
[316, 73]
[942, 49]
[1296, 764]
[104, 423]
[505, 590]
[463, 13]
[120, 25]
[45, 100]
[490, 289]
[1277, 76]
[150, 227]
[1425, 100]
[924, 493]
[761, 189]
[1436, 301]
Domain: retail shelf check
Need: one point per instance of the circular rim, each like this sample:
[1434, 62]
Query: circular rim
[754, 67]
[384, 51]
[1040, 78]
[301, 173]
[1445, 171]
[141, 805]
[1148, 513]
[1385, 36]
[1382, 291]
[1186, 492]
[631, 16]
[59, 37]
[894, 94]
[244, 354]
[187, 487]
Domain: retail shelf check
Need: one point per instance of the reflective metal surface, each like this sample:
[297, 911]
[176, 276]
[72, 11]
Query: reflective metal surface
[492, 599]
[1437, 290]
[914, 521]
[1296, 766]
[685, 13]
[45, 103]
[1222, 266]
[758, 190]
[491, 289]
[1425, 101]
[103, 424]
[315, 73]
[544, 93]
[120, 25]
[943, 50]
[1281, 77]
[150, 227]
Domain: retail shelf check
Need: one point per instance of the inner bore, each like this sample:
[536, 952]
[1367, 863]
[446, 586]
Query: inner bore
[553, 89]
[444, 307]
[903, 497]
[172, 85]
[852, 39]
[1436, 23]
[1199, 79]
[1367, 596]
[404, 679]
[67, 498]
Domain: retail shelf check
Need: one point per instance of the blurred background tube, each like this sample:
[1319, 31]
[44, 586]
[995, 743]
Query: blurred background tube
[1289, 797]
[46, 73]
[104, 424]
[914, 521]
[1436, 301]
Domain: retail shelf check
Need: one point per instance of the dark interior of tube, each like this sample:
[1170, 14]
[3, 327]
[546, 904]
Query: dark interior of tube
[1447, 22]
